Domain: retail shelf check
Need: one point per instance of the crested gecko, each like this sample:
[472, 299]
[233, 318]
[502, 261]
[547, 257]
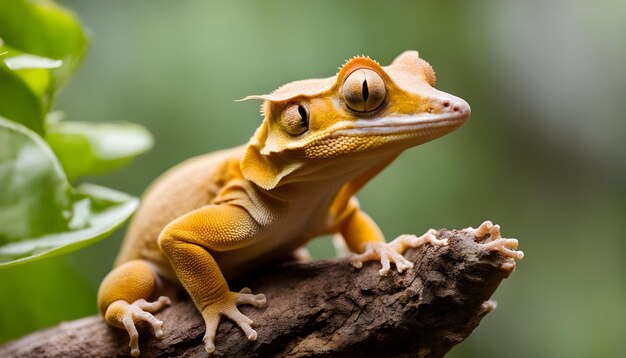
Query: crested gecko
[215, 217]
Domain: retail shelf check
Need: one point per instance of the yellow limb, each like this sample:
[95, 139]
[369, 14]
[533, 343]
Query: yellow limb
[187, 241]
[359, 229]
[122, 299]
[364, 237]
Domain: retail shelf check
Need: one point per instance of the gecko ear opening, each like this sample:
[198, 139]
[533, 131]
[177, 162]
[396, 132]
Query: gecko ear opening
[265, 170]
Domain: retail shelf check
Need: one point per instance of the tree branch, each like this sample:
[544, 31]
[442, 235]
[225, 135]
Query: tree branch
[321, 308]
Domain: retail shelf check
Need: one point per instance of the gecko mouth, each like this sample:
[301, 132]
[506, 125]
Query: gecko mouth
[364, 135]
[417, 124]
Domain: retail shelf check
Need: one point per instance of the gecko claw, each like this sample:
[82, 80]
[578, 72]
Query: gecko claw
[252, 336]
[356, 264]
[495, 242]
[129, 314]
[386, 253]
[227, 306]
[209, 346]
[391, 252]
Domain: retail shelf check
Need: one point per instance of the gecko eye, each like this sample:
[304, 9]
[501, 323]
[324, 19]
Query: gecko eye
[295, 119]
[364, 91]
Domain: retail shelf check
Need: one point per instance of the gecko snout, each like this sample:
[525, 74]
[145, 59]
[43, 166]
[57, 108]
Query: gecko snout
[451, 105]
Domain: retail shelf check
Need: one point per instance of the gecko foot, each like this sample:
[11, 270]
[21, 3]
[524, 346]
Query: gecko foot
[129, 315]
[392, 251]
[227, 306]
[495, 242]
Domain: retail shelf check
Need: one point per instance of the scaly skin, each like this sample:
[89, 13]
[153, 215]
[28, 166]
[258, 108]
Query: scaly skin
[215, 217]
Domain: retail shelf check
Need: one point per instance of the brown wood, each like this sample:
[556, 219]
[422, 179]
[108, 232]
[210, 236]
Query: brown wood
[321, 308]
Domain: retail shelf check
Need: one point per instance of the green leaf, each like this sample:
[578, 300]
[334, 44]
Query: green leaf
[35, 196]
[19, 102]
[40, 214]
[45, 29]
[86, 148]
[42, 28]
[39, 81]
[31, 61]
[35, 71]
[100, 209]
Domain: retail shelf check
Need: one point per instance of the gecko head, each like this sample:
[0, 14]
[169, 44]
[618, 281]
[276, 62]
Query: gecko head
[364, 114]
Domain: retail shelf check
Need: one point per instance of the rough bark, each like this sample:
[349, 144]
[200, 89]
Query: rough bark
[321, 308]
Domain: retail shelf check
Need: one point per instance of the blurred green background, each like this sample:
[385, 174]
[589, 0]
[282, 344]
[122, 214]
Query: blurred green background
[543, 155]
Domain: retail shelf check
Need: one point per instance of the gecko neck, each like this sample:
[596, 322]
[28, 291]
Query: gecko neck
[329, 180]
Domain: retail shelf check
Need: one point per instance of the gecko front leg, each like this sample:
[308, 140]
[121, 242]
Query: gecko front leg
[227, 306]
[495, 242]
[392, 251]
[189, 243]
[363, 236]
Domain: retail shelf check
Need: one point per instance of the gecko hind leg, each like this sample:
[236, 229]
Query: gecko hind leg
[122, 299]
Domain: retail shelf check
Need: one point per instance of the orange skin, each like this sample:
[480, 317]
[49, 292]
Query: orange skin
[217, 216]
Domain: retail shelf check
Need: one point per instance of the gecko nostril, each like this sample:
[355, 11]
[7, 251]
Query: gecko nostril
[446, 104]
[456, 108]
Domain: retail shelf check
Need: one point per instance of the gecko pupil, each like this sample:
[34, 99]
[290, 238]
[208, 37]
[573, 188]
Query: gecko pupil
[304, 117]
[366, 92]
